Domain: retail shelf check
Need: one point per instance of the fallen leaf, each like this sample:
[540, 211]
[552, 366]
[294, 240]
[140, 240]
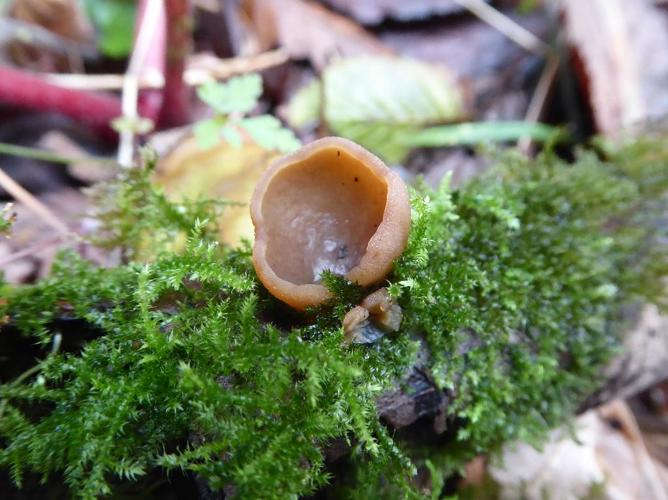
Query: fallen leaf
[392, 99]
[62, 17]
[35, 240]
[17, 271]
[307, 30]
[467, 46]
[609, 458]
[221, 172]
[622, 48]
[376, 11]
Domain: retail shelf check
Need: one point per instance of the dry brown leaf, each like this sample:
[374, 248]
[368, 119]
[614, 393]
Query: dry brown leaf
[622, 48]
[83, 167]
[307, 30]
[62, 17]
[221, 172]
[32, 244]
[609, 458]
[495, 69]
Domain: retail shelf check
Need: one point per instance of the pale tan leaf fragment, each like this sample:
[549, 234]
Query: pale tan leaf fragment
[609, 458]
[307, 30]
[622, 47]
[221, 172]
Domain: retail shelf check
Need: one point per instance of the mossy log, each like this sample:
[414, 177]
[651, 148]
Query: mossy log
[516, 290]
[642, 363]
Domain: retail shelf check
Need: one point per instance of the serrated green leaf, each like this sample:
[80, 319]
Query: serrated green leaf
[390, 98]
[268, 132]
[207, 133]
[239, 94]
[394, 103]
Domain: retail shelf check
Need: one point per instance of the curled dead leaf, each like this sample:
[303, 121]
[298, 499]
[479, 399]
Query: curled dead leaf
[221, 172]
[307, 30]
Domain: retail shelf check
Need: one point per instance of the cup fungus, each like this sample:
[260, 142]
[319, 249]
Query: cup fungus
[333, 206]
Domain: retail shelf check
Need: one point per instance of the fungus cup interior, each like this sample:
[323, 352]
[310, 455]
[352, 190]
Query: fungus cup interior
[330, 206]
[321, 213]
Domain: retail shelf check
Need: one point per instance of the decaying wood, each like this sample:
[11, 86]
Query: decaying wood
[643, 363]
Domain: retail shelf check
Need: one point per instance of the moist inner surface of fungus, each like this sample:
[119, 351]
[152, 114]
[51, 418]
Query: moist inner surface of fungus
[320, 214]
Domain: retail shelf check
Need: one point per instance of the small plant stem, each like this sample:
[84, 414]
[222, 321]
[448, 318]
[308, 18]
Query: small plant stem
[110, 81]
[539, 98]
[149, 38]
[200, 69]
[26, 252]
[176, 96]
[97, 110]
[40, 154]
[57, 339]
[505, 25]
[33, 204]
[204, 68]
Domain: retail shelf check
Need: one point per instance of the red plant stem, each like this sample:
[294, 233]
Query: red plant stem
[97, 110]
[176, 95]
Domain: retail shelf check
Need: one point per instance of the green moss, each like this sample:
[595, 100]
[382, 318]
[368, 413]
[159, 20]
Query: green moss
[6, 219]
[516, 282]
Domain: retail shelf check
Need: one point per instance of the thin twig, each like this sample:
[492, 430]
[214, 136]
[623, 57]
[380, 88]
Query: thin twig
[39, 154]
[505, 25]
[33, 204]
[55, 347]
[201, 69]
[539, 97]
[148, 80]
[21, 31]
[33, 249]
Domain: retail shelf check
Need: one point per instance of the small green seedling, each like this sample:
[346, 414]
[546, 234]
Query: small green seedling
[233, 100]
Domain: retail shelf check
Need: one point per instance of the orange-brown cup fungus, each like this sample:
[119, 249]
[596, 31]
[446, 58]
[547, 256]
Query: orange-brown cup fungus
[332, 205]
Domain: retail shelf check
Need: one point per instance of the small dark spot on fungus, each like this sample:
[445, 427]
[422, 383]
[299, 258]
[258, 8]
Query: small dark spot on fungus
[308, 220]
[343, 252]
